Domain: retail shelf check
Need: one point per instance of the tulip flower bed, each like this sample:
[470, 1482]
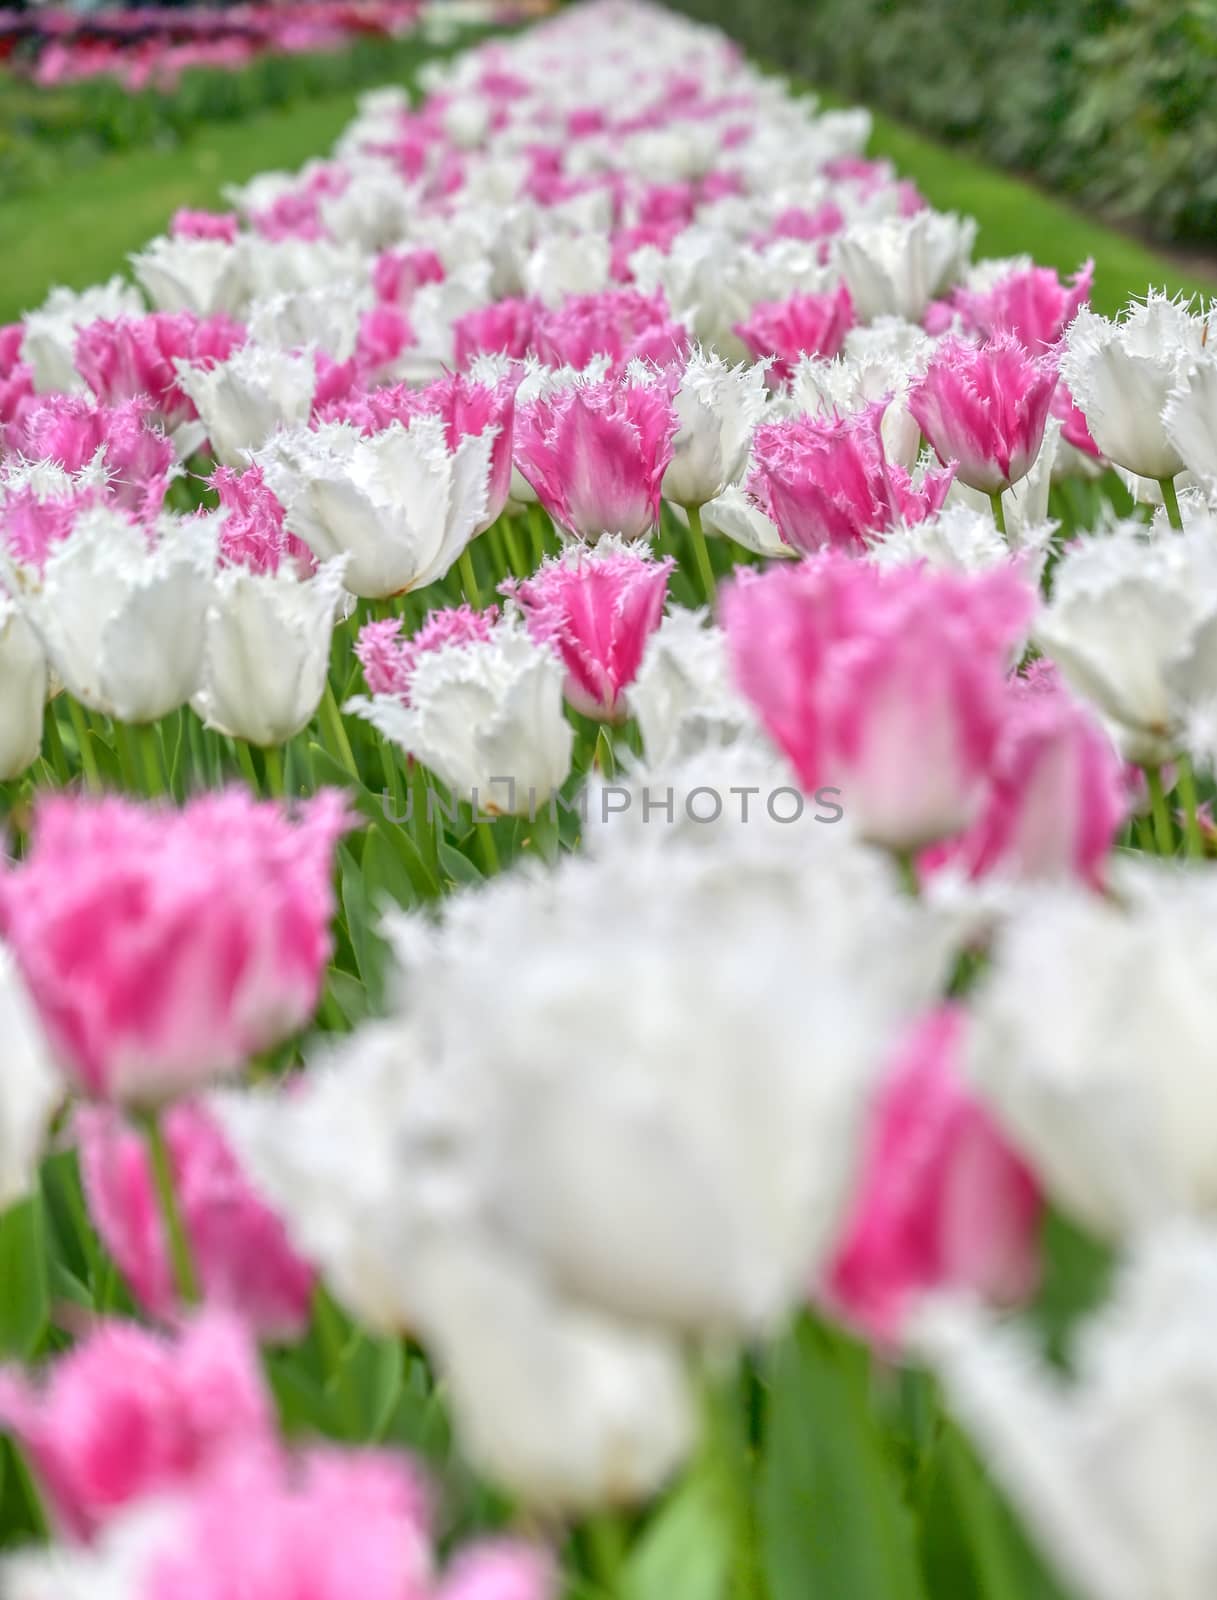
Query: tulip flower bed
[607, 745]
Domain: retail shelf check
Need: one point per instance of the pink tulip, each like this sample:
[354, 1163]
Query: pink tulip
[803, 325]
[33, 525]
[1031, 303]
[252, 533]
[499, 1569]
[384, 336]
[187, 224]
[388, 660]
[328, 1524]
[505, 328]
[12, 337]
[132, 358]
[943, 1201]
[164, 947]
[17, 400]
[621, 324]
[985, 409]
[596, 453]
[885, 683]
[827, 482]
[129, 1414]
[1057, 792]
[397, 274]
[1075, 430]
[597, 609]
[238, 1245]
[71, 431]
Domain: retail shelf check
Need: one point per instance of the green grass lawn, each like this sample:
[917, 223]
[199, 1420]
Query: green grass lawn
[83, 229]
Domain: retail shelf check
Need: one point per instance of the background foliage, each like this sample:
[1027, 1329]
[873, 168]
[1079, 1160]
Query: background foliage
[1110, 100]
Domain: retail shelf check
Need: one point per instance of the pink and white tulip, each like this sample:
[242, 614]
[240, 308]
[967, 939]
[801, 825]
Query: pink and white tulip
[827, 482]
[239, 1247]
[803, 325]
[597, 609]
[166, 948]
[128, 1415]
[886, 683]
[984, 409]
[943, 1201]
[596, 454]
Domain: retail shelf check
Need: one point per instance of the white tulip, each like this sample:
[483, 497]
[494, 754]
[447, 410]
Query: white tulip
[30, 1088]
[1132, 624]
[895, 267]
[398, 504]
[243, 400]
[1104, 1466]
[565, 264]
[1093, 1044]
[1190, 417]
[326, 318]
[1123, 373]
[567, 1408]
[48, 343]
[23, 691]
[683, 695]
[122, 620]
[205, 276]
[962, 539]
[718, 408]
[373, 210]
[735, 515]
[288, 266]
[268, 651]
[486, 717]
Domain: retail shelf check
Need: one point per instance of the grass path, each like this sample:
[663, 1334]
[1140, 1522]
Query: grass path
[83, 229]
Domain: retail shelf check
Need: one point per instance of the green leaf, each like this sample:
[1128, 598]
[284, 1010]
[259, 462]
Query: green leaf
[832, 1521]
[685, 1553]
[458, 867]
[24, 1291]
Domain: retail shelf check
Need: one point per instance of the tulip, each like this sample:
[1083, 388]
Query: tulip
[1031, 303]
[1123, 373]
[237, 1244]
[251, 530]
[49, 342]
[1083, 1458]
[984, 409]
[717, 410]
[30, 1088]
[885, 683]
[804, 325]
[399, 504]
[130, 457]
[129, 1415]
[829, 483]
[683, 694]
[596, 454]
[23, 692]
[1160, 592]
[895, 267]
[1057, 797]
[242, 401]
[164, 948]
[1190, 418]
[1088, 1057]
[485, 715]
[267, 652]
[122, 620]
[132, 358]
[943, 1202]
[207, 277]
[596, 609]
